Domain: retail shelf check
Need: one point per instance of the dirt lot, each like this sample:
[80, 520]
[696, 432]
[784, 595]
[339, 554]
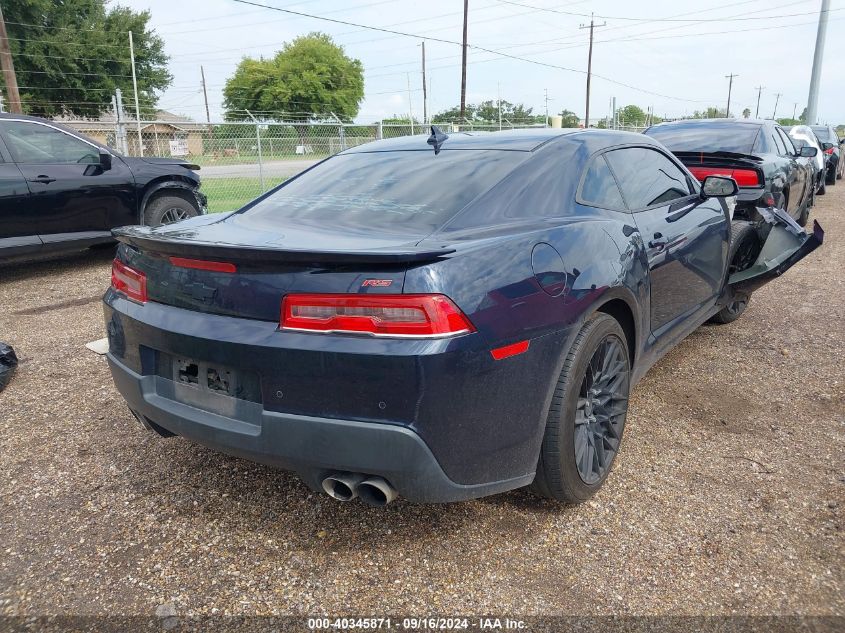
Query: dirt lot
[728, 497]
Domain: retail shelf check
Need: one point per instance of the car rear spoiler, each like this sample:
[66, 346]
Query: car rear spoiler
[718, 158]
[141, 238]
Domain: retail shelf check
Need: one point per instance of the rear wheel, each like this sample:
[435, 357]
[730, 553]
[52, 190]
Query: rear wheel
[745, 246]
[830, 176]
[822, 187]
[170, 206]
[587, 416]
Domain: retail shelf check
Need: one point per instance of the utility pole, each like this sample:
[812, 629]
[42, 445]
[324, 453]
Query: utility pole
[135, 88]
[464, 65]
[499, 102]
[546, 92]
[730, 79]
[815, 76]
[778, 95]
[425, 92]
[759, 91]
[794, 108]
[589, 68]
[410, 110]
[8, 67]
[205, 95]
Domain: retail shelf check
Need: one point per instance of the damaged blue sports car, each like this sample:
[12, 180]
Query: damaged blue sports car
[437, 318]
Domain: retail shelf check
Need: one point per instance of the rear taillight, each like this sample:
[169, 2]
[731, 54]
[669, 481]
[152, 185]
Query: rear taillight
[829, 151]
[378, 315]
[743, 177]
[202, 264]
[129, 281]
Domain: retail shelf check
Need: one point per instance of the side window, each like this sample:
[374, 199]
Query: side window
[31, 143]
[600, 188]
[790, 147]
[781, 148]
[647, 177]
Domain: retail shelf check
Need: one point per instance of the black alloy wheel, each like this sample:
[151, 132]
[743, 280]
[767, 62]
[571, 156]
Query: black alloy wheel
[600, 415]
[586, 418]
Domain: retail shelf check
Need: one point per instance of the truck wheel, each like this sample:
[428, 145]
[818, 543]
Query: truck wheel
[587, 415]
[745, 246]
[170, 206]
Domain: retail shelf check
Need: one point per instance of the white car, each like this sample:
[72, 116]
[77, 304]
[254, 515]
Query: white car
[805, 134]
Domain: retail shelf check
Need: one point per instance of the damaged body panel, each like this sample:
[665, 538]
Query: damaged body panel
[785, 245]
[401, 316]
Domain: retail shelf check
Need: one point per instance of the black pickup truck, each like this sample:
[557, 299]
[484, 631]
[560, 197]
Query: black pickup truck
[61, 191]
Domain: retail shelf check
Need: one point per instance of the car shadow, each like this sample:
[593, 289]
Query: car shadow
[53, 264]
[199, 485]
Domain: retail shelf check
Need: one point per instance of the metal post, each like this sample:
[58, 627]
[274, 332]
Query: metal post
[759, 91]
[205, 95]
[546, 99]
[135, 88]
[615, 116]
[122, 141]
[464, 64]
[258, 143]
[380, 130]
[410, 110]
[499, 102]
[425, 92]
[777, 98]
[815, 77]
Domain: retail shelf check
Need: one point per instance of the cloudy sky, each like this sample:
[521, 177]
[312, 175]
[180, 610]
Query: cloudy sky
[667, 54]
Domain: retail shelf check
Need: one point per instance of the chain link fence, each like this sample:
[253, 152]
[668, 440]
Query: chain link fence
[241, 160]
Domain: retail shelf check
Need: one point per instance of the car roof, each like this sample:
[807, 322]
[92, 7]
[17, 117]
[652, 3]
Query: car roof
[524, 140]
[720, 121]
[25, 117]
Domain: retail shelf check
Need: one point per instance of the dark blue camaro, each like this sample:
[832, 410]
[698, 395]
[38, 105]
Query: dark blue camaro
[439, 318]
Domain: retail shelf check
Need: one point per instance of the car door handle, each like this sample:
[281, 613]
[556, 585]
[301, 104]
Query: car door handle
[44, 180]
[658, 242]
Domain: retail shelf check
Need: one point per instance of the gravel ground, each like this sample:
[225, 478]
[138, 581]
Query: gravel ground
[728, 496]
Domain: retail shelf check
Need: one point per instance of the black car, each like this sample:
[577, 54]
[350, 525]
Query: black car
[832, 147]
[759, 155]
[439, 318]
[62, 191]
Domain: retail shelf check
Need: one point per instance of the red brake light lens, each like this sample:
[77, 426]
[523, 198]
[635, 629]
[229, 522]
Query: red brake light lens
[743, 177]
[129, 281]
[829, 151]
[429, 315]
[201, 264]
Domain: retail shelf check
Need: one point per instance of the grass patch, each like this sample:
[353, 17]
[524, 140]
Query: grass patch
[228, 194]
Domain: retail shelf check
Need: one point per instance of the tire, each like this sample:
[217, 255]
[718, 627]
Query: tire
[830, 177]
[823, 189]
[745, 246]
[170, 206]
[574, 421]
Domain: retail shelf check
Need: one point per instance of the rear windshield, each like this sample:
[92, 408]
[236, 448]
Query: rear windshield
[408, 191]
[707, 137]
[822, 132]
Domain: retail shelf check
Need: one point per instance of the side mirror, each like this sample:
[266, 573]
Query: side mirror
[827, 146]
[719, 187]
[807, 151]
[105, 160]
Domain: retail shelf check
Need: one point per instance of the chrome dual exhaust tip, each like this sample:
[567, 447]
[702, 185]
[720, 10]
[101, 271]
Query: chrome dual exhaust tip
[374, 491]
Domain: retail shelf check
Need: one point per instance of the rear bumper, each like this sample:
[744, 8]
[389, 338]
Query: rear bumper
[311, 446]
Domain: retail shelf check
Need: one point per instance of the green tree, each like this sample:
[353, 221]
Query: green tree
[487, 113]
[787, 121]
[746, 113]
[709, 113]
[803, 117]
[570, 119]
[310, 79]
[632, 115]
[71, 55]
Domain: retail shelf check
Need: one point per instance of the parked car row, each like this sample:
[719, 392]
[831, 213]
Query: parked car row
[62, 191]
